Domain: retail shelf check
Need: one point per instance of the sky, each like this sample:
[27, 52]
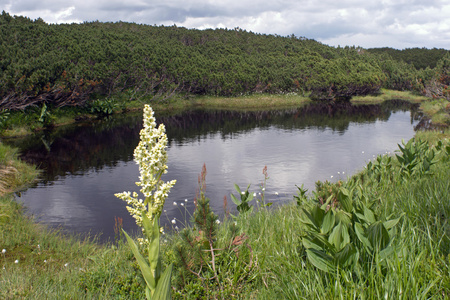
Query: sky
[397, 24]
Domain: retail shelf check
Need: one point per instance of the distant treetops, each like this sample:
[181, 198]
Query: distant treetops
[73, 64]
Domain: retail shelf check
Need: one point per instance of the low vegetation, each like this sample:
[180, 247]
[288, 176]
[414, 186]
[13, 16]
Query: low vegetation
[384, 231]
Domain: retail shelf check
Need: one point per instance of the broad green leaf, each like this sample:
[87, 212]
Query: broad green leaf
[359, 230]
[307, 219]
[339, 237]
[328, 222]
[236, 201]
[391, 223]
[236, 187]
[345, 199]
[311, 243]
[378, 235]
[368, 213]
[348, 256]
[163, 289]
[343, 217]
[145, 269]
[386, 252]
[321, 260]
[318, 215]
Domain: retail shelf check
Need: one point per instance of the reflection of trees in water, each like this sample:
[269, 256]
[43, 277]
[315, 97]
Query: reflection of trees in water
[337, 116]
[75, 149]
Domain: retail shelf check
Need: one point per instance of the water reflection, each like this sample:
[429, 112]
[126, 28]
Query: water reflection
[85, 165]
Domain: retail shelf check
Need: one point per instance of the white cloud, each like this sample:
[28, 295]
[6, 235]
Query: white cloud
[392, 23]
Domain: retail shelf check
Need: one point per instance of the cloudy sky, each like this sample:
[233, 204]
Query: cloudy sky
[368, 23]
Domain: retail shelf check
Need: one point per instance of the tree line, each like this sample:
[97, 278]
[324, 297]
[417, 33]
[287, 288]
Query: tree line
[73, 64]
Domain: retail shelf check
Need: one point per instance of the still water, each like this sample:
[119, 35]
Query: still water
[84, 165]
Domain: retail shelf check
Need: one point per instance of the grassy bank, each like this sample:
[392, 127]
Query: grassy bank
[21, 123]
[258, 255]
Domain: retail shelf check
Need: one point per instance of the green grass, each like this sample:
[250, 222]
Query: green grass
[21, 123]
[269, 263]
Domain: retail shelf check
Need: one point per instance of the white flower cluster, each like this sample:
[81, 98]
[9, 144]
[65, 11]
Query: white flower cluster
[151, 156]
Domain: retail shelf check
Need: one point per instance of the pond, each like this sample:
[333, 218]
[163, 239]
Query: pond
[84, 165]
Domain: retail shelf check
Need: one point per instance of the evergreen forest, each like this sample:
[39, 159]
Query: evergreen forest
[74, 64]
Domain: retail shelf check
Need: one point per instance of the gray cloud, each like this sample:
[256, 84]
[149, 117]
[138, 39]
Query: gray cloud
[393, 23]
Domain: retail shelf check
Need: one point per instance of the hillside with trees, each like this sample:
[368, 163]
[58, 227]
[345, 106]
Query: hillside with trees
[74, 64]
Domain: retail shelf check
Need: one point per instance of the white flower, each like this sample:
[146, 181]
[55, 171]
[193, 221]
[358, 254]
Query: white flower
[343, 173]
[45, 261]
[151, 156]
[176, 228]
[217, 221]
[331, 176]
[185, 200]
[174, 203]
[174, 221]
[254, 194]
[66, 264]
[182, 204]
[263, 189]
[243, 193]
[4, 251]
[276, 193]
[16, 261]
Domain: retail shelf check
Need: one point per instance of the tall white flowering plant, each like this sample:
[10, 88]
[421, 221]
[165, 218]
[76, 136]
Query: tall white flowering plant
[151, 156]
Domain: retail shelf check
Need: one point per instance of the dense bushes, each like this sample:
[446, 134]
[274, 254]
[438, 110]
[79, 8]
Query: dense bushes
[68, 64]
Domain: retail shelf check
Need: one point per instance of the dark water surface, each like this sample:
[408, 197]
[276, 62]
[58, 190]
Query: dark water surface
[84, 165]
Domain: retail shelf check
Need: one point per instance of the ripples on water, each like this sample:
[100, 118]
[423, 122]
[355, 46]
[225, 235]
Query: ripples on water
[85, 165]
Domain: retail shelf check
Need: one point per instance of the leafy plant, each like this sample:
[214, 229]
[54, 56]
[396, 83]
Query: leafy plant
[210, 268]
[4, 115]
[416, 158]
[347, 233]
[151, 156]
[46, 118]
[246, 197]
[105, 107]
[301, 195]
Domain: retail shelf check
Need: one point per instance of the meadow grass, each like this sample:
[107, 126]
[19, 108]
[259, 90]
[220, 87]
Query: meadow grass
[270, 263]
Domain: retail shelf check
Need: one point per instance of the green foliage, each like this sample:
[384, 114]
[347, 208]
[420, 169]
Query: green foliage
[103, 108]
[301, 195]
[43, 63]
[416, 158]
[206, 266]
[46, 117]
[347, 234]
[246, 197]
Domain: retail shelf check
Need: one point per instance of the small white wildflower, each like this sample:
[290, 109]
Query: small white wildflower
[276, 193]
[174, 203]
[217, 221]
[4, 251]
[343, 173]
[66, 264]
[362, 152]
[45, 261]
[174, 221]
[176, 228]
[331, 176]
[182, 204]
[254, 194]
[339, 173]
[243, 193]
[16, 261]
[39, 246]
[263, 189]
